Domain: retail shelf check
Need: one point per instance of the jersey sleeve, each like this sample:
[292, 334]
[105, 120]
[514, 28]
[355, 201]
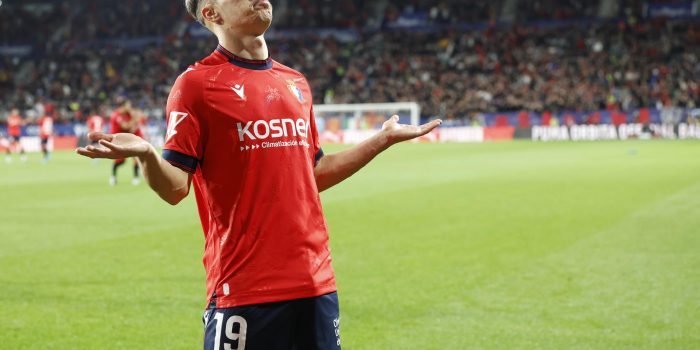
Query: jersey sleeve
[316, 150]
[183, 140]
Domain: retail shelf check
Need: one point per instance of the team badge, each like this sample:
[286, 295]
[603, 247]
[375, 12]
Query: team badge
[292, 86]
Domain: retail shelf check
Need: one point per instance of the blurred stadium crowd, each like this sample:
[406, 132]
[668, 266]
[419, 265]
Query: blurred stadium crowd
[554, 56]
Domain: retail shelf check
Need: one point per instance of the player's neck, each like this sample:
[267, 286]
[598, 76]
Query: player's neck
[248, 47]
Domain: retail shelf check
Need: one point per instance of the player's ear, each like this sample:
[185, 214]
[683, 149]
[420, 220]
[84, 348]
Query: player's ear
[210, 14]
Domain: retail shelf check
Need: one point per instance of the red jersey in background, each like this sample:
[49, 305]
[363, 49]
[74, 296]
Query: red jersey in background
[95, 124]
[45, 127]
[14, 125]
[119, 118]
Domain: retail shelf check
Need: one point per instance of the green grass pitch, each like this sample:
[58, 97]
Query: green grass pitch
[491, 246]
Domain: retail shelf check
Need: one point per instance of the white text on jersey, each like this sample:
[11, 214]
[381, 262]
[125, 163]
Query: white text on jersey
[276, 128]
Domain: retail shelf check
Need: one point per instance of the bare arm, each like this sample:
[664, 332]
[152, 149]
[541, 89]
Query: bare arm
[169, 182]
[334, 168]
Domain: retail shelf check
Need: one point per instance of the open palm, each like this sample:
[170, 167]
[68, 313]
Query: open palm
[401, 132]
[115, 146]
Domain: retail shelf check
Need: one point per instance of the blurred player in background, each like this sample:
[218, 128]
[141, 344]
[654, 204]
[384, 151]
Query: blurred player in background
[45, 133]
[95, 123]
[14, 131]
[125, 119]
[257, 180]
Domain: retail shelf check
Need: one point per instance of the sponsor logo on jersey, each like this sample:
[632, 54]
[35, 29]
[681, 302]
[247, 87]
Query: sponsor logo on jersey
[272, 129]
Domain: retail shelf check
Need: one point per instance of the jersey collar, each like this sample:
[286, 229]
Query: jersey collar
[244, 62]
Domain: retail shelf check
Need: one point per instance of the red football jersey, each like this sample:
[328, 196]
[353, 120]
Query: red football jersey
[14, 125]
[95, 124]
[142, 123]
[45, 127]
[246, 130]
[117, 118]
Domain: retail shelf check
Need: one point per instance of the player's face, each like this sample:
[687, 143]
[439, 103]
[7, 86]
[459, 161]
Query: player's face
[251, 17]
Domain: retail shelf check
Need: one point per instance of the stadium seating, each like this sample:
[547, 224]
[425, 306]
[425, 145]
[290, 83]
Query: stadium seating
[454, 68]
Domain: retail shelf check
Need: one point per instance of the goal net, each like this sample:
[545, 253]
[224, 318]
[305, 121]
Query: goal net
[354, 123]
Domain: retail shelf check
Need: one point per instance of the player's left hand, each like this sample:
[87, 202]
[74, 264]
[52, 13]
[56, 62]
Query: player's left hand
[396, 132]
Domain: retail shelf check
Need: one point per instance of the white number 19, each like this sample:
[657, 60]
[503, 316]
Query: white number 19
[230, 335]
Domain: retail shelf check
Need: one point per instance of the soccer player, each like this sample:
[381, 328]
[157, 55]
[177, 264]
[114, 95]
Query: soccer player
[124, 119]
[14, 130]
[241, 127]
[95, 123]
[45, 133]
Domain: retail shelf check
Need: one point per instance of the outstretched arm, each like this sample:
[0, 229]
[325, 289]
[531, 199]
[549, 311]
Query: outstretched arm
[170, 182]
[334, 168]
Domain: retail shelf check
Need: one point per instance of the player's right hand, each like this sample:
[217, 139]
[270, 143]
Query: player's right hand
[115, 146]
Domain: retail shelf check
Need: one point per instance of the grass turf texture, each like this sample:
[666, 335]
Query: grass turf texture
[491, 246]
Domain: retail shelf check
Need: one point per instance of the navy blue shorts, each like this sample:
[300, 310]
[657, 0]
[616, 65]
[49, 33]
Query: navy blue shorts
[302, 324]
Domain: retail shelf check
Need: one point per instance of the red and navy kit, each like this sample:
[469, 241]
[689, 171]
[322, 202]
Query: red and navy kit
[45, 127]
[307, 323]
[246, 130]
[118, 118]
[14, 126]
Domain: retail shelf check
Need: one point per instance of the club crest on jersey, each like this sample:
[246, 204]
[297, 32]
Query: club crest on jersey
[292, 86]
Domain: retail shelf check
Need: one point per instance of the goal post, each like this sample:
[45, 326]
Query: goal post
[354, 123]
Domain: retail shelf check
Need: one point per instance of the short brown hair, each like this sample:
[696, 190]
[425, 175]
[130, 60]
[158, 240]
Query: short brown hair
[194, 9]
